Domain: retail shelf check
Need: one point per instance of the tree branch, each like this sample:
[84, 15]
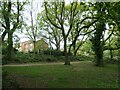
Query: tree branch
[3, 25]
[48, 16]
[110, 35]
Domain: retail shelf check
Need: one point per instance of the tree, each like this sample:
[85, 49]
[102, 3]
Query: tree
[98, 37]
[69, 16]
[33, 30]
[57, 17]
[114, 16]
[98, 44]
[108, 14]
[53, 34]
[82, 27]
[11, 20]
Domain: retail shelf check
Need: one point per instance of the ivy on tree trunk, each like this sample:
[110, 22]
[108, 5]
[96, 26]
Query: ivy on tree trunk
[98, 44]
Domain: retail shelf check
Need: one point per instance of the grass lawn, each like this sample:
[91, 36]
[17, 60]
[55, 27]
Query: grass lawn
[78, 75]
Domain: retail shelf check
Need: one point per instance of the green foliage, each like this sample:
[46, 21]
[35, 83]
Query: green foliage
[107, 58]
[86, 48]
[31, 57]
[4, 55]
[47, 56]
[53, 52]
[4, 47]
[41, 45]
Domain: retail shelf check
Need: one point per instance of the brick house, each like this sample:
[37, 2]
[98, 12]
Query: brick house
[29, 46]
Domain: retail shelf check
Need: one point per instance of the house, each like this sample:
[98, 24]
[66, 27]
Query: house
[28, 46]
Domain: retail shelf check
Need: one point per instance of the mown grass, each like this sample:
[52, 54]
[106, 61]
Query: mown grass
[78, 75]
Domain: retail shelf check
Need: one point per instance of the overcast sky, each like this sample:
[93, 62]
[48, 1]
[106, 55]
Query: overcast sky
[36, 8]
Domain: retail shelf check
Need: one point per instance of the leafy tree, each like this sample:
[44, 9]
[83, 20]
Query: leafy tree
[113, 12]
[69, 16]
[11, 20]
[57, 17]
[83, 22]
[53, 34]
[99, 40]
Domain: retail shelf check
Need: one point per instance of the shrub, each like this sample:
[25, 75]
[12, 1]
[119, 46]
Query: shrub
[108, 60]
[31, 57]
[85, 58]
[4, 50]
[53, 52]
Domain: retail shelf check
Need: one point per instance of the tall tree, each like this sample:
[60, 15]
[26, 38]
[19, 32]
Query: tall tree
[98, 39]
[33, 29]
[11, 21]
[58, 19]
[69, 16]
[53, 34]
[82, 26]
[108, 14]
[114, 16]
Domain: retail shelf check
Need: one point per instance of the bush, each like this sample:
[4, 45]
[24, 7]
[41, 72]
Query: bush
[108, 60]
[31, 57]
[4, 59]
[85, 58]
[53, 52]
[25, 57]
[4, 50]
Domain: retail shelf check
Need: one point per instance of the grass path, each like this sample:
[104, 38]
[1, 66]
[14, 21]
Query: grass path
[36, 64]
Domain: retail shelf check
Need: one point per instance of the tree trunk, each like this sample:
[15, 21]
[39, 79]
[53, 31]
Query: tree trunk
[0, 53]
[74, 51]
[111, 55]
[69, 54]
[98, 45]
[34, 42]
[10, 46]
[119, 46]
[58, 47]
[99, 57]
[67, 62]
[3, 35]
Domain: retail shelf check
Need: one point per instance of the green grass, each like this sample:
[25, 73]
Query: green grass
[78, 75]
